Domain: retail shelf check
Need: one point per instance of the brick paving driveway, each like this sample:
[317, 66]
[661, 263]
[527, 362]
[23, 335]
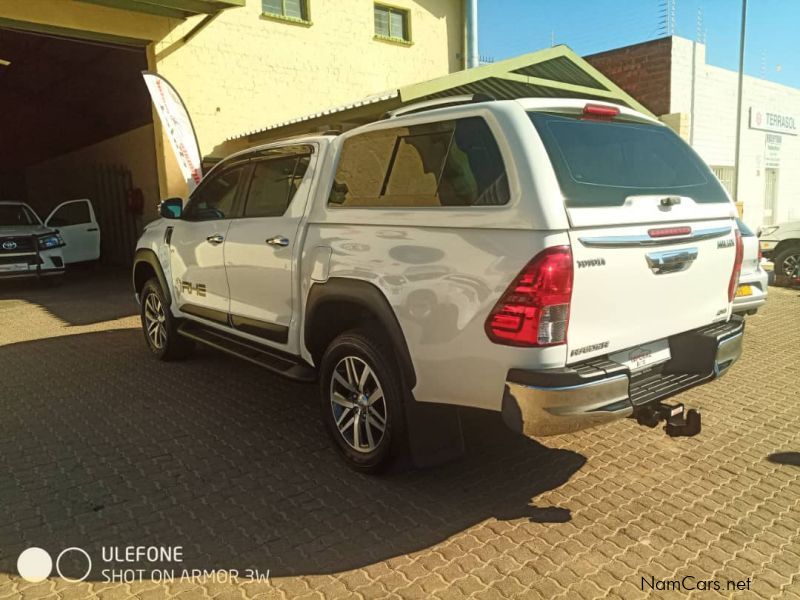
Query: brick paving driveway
[100, 445]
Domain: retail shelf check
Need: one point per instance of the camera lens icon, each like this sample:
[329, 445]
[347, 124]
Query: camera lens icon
[35, 564]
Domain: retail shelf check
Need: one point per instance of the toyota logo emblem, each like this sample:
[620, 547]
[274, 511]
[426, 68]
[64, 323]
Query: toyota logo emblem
[9, 245]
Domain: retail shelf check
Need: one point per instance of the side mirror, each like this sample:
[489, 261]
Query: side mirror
[171, 208]
[338, 193]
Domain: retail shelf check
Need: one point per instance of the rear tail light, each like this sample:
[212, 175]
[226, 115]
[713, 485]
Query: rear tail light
[737, 267]
[600, 110]
[534, 310]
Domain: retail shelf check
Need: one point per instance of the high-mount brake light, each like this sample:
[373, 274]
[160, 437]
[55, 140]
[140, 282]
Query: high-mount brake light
[534, 310]
[668, 231]
[600, 110]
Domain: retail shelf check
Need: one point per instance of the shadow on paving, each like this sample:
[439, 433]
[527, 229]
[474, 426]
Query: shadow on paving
[89, 294]
[102, 445]
[785, 458]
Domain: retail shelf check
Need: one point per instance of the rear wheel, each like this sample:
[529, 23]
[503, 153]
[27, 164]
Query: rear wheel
[362, 400]
[159, 326]
[787, 261]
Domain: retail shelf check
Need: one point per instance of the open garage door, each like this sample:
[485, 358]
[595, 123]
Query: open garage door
[76, 122]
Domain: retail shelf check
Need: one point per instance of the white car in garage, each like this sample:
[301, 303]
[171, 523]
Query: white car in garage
[30, 248]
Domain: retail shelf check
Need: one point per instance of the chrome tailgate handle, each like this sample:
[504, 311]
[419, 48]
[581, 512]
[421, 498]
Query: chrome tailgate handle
[671, 261]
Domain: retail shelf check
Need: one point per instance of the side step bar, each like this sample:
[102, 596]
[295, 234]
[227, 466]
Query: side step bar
[275, 361]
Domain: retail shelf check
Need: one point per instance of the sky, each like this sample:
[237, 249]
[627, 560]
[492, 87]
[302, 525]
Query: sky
[772, 46]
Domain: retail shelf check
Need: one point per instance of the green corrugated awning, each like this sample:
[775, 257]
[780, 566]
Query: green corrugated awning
[171, 8]
[555, 72]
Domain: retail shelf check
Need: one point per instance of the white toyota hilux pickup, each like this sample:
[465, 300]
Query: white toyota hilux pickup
[561, 262]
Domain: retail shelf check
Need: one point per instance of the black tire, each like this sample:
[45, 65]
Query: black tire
[165, 343]
[360, 348]
[785, 259]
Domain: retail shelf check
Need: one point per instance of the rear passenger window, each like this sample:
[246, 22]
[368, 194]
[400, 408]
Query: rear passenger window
[273, 185]
[450, 163]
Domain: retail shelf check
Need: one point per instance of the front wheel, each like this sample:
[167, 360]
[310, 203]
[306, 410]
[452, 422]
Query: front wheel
[159, 326]
[362, 400]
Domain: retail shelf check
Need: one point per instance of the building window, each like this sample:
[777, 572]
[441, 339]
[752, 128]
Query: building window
[392, 24]
[291, 10]
[725, 176]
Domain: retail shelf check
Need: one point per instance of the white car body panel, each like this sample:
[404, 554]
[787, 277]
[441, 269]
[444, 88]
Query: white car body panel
[752, 275]
[82, 239]
[195, 261]
[443, 269]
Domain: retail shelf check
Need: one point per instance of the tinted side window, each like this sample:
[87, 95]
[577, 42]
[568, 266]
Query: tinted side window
[214, 199]
[451, 163]
[74, 213]
[273, 185]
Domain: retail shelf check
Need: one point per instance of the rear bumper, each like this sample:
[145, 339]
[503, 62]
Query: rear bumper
[555, 401]
[759, 284]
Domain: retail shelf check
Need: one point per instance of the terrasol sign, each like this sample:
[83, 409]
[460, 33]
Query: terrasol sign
[768, 120]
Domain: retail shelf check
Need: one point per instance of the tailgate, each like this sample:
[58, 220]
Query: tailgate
[652, 231]
[630, 288]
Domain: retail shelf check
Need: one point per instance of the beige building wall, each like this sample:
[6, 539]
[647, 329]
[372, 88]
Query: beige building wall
[246, 71]
[71, 175]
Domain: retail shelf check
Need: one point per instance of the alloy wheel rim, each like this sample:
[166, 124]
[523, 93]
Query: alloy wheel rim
[790, 264]
[155, 321]
[358, 404]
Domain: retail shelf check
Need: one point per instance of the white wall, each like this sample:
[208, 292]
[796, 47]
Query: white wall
[713, 127]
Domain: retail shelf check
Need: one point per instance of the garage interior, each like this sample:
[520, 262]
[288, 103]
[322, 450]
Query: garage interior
[76, 122]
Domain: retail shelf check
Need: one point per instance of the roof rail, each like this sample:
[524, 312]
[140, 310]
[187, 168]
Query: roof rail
[438, 103]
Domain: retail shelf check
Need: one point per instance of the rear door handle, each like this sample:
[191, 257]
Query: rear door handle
[92, 229]
[278, 240]
[671, 260]
[215, 239]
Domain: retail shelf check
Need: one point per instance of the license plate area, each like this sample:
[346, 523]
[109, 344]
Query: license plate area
[14, 267]
[744, 290]
[643, 356]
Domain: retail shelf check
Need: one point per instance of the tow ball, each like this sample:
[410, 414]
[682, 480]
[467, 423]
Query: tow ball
[679, 421]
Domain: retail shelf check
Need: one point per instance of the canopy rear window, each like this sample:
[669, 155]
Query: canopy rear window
[603, 162]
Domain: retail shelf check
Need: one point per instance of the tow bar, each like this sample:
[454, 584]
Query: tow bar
[679, 421]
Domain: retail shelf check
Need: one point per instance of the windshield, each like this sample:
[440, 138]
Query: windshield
[12, 215]
[602, 162]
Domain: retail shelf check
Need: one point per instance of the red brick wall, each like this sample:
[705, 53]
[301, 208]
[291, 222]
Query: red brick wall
[642, 70]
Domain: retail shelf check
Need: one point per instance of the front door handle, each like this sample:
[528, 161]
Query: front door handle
[215, 239]
[278, 240]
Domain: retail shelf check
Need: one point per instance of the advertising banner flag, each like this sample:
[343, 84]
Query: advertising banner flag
[178, 127]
